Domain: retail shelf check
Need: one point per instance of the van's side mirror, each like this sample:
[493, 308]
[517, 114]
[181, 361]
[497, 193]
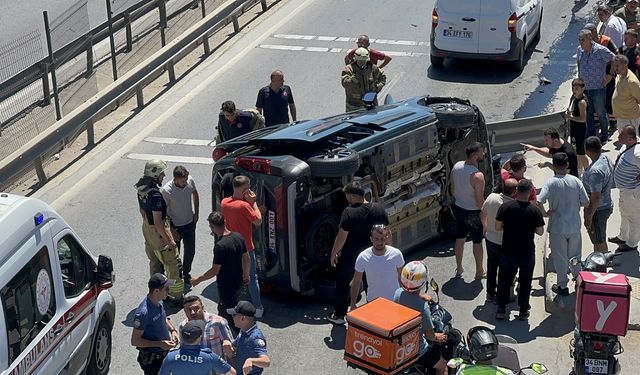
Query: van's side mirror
[104, 271]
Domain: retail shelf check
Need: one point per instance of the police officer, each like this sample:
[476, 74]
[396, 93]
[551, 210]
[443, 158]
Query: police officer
[359, 78]
[159, 245]
[153, 334]
[250, 347]
[191, 358]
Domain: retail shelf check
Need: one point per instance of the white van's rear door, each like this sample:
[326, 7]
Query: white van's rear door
[494, 35]
[458, 25]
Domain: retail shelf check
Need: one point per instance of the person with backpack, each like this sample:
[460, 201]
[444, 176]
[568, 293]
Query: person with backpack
[276, 100]
[233, 123]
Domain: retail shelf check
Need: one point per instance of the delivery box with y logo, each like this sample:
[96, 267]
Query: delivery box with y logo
[602, 303]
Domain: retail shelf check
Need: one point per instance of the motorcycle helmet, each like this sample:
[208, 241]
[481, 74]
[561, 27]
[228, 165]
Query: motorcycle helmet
[154, 168]
[413, 276]
[483, 343]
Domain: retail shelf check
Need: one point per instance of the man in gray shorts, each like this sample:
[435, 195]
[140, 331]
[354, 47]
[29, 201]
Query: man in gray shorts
[565, 194]
[598, 180]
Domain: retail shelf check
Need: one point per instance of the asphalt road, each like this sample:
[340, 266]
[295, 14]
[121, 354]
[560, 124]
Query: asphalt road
[307, 40]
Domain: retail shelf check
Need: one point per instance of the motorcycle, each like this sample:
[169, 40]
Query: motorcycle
[442, 323]
[595, 353]
[507, 361]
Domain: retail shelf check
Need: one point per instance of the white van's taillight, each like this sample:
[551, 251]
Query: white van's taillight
[511, 23]
[434, 18]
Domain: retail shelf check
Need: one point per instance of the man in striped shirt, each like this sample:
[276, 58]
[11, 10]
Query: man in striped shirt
[626, 176]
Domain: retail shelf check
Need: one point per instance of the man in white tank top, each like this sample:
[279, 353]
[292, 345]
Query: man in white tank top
[467, 187]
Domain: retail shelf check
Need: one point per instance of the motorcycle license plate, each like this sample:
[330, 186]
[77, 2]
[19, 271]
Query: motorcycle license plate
[595, 366]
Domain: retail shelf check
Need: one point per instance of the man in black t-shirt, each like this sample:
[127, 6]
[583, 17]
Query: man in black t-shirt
[232, 123]
[230, 264]
[276, 100]
[353, 237]
[554, 144]
[519, 220]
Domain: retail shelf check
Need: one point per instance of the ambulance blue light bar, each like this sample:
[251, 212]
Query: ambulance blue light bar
[38, 218]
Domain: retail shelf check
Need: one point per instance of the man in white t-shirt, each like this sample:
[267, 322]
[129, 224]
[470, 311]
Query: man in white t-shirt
[178, 194]
[383, 265]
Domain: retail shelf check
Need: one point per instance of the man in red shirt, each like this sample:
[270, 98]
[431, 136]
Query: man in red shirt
[241, 212]
[374, 55]
[515, 168]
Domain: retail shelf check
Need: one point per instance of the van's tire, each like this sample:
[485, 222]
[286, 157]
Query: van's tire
[100, 357]
[518, 64]
[454, 115]
[335, 163]
[319, 239]
[437, 61]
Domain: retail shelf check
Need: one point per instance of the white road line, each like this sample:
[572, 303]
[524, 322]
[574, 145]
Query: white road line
[89, 178]
[348, 39]
[334, 50]
[171, 158]
[387, 88]
[181, 141]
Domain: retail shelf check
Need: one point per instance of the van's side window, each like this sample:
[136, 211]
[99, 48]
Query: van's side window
[75, 265]
[29, 303]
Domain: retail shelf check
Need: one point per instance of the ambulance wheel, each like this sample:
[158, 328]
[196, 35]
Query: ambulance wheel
[100, 357]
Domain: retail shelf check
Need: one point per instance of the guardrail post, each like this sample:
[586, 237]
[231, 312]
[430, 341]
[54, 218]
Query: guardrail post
[171, 71]
[52, 62]
[128, 32]
[139, 96]
[205, 43]
[42, 175]
[91, 141]
[204, 11]
[162, 8]
[44, 73]
[264, 5]
[112, 43]
[89, 56]
[236, 25]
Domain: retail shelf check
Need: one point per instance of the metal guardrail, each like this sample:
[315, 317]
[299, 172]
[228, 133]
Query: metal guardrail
[31, 154]
[507, 135]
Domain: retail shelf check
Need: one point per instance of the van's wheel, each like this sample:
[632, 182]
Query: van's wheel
[518, 64]
[437, 61]
[319, 239]
[454, 115]
[100, 357]
[338, 162]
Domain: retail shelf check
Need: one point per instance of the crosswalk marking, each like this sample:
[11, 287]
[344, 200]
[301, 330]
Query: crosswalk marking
[334, 50]
[181, 141]
[349, 39]
[171, 158]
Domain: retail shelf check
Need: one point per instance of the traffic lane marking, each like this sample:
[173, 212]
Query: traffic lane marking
[349, 39]
[170, 158]
[335, 50]
[181, 141]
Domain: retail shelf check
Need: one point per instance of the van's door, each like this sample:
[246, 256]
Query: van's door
[531, 10]
[458, 26]
[494, 35]
[77, 295]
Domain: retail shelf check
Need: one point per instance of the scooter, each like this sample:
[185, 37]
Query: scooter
[594, 353]
[442, 323]
[506, 362]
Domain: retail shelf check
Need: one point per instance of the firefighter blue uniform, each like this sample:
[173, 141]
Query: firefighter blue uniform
[193, 360]
[250, 344]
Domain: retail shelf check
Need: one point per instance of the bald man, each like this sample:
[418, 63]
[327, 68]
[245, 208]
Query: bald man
[276, 100]
[493, 237]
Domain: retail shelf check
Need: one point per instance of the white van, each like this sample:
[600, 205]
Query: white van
[56, 312]
[484, 29]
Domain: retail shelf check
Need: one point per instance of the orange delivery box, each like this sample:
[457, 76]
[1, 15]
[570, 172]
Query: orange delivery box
[383, 337]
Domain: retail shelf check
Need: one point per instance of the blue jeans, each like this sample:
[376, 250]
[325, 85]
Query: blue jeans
[597, 100]
[254, 288]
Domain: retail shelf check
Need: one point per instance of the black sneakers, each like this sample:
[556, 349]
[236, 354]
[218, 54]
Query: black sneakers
[560, 291]
[623, 248]
[524, 315]
[615, 239]
[333, 318]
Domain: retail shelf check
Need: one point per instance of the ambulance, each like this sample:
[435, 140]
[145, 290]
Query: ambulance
[56, 312]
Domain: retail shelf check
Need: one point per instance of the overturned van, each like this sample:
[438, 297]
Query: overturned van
[402, 153]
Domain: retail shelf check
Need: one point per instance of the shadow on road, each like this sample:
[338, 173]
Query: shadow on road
[337, 338]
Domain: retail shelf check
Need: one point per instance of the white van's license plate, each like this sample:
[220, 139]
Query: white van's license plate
[458, 33]
[595, 366]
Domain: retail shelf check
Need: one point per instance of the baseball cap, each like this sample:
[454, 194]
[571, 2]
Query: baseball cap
[192, 330]
[159, 281]
[245, 308]
[590, 26]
